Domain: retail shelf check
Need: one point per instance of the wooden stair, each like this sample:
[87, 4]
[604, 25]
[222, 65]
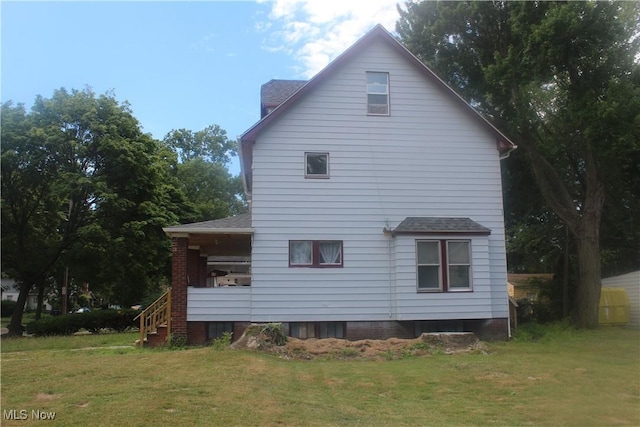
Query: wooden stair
[155, 322]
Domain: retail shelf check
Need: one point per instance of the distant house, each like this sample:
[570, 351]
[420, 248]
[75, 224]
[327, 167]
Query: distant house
[526, 286]
[375, 211]
[10, 291]
[630, 282]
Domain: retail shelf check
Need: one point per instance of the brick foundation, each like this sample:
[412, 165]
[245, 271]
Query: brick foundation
[484, 329]
[378, 330]
[196, 333]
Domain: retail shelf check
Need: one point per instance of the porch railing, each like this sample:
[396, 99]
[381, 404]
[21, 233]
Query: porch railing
[158, 313]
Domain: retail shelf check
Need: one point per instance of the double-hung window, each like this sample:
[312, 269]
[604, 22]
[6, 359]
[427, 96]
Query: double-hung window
[443, 265]
[378, 93]
[315, 253]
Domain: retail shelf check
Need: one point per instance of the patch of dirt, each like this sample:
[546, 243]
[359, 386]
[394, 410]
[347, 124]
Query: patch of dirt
[392, 348]
[46, 396]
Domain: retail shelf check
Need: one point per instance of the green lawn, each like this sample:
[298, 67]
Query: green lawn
[566, 378]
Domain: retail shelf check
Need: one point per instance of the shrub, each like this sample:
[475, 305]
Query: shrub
[177, 342]
[223, 342]
[558, 331]
[92, 321]
[7, 307]
[275, 333]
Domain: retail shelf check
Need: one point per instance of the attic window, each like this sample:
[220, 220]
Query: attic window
[377, 94]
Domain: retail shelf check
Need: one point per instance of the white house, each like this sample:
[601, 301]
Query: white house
[10, 290]
[375, 211]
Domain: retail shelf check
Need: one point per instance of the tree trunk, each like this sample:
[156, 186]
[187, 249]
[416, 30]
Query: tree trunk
[565, 273]
[15, 326]
[585, 314]
[40, 300]
[583, 221]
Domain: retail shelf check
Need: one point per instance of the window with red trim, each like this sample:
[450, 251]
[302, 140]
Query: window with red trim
[443, 265]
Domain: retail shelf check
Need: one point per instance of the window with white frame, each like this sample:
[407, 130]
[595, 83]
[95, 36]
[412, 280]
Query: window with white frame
[443, 265]
[377, 93]
[316, 165]
[315, 253]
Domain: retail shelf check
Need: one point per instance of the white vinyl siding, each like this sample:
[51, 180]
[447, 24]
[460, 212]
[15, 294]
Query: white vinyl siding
[228, 303]
[429, 158]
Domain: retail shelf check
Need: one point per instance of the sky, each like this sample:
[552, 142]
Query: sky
[178, 64]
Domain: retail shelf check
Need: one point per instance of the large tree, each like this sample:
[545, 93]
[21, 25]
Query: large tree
[81, 183]
[203, 172]
[562, 80]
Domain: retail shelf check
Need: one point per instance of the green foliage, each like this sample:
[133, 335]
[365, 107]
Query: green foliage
[211, 189]
[223, 342]
[177, 342]
[275, 333]
[210, 144]
[83, 187]
[550, 332]
[203, 174]
[7, 308]
[93, 321]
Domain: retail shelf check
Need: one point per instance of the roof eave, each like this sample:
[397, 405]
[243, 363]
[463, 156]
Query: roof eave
[174, 231]
[442, 232]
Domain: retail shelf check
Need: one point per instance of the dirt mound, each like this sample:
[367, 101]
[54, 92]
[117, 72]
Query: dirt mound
[393, 348]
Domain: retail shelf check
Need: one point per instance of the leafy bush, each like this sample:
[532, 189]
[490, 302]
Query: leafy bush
[177, 342]
[553, 331]
[92, 321]
[223, 342]
[7, 307]
[275, 333]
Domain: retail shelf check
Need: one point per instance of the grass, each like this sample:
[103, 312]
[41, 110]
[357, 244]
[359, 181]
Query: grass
[550, 377]
[26, 318]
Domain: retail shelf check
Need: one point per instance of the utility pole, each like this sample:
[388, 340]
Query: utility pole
[65, 286]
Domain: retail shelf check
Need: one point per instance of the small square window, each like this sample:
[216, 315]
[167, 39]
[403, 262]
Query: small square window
[330, 252]
[316, 165]
[301, 252]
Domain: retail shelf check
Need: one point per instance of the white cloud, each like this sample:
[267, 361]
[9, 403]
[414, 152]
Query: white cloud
[316, 31]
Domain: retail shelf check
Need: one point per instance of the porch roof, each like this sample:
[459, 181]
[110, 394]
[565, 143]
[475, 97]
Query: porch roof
[439, 225]
[239, 224]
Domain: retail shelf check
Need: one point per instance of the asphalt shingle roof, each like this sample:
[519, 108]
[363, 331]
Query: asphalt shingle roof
[434, 225]
[236, 222]
[275, 92]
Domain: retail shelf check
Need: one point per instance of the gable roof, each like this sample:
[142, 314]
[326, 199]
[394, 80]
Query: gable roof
[378, 33]
[439, 225]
